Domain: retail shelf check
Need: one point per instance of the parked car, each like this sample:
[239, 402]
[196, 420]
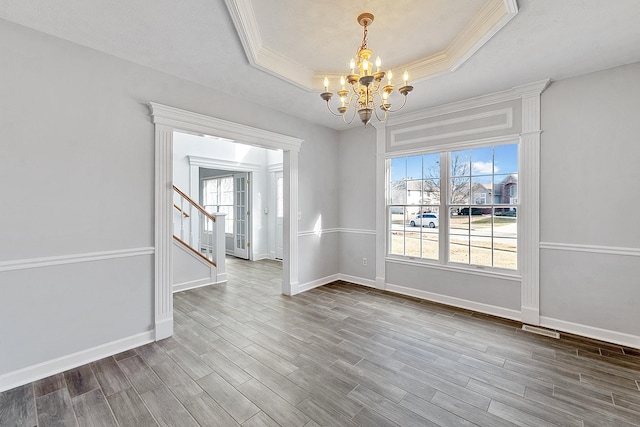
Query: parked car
[475, 211]
[425, 220]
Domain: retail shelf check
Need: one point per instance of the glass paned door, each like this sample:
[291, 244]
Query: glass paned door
[241, 235]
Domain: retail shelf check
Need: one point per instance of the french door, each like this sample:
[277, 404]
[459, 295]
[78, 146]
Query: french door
[241, 228]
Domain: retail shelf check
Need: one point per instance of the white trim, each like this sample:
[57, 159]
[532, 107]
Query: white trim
[507, 124]
[357, 280]
[334, 277]
[318, 232]
[275, 167]
[194, 284]
[493, 310]
[512, 94]
[183, 120]
[23, 264]
[336, 230]
[454, 146]
[607, 335]
[530, 315]
[460, 268]
[64, 363]
[206, 162]
[357, 231]
[303, 287]
[595, 249]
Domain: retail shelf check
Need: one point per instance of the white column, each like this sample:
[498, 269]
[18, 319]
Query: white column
[290, 261]
[163, 232]
[220, 248]
[529, 194]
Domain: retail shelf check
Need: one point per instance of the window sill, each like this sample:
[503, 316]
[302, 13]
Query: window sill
[473, 270]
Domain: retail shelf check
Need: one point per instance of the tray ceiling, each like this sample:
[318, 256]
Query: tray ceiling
[302, 42]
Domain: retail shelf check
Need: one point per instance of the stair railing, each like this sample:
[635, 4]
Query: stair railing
[193, 226]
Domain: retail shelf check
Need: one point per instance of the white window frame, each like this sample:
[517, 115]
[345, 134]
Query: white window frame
[527, 100]
[229, 222]
[445, 206]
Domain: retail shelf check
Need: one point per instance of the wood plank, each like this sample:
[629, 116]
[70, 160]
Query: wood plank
[166, 409]
[386, 407]
[110, 376]
[80, 380]
[92, 410]
[278, 383]
[49, 385]
[139, 374]
[129, 410]
[17, 407]
[227, 396]
[281, 411]
[207, 412]
[55, 409]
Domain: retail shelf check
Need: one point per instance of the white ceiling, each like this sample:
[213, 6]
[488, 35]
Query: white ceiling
[197, 40]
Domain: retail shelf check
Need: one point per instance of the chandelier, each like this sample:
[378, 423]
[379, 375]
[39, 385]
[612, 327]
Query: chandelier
[367, 89]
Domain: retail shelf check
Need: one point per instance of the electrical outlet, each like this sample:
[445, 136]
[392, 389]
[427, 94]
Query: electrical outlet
[364, 261]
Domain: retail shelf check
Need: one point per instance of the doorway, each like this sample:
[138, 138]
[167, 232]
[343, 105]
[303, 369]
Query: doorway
[169, 119]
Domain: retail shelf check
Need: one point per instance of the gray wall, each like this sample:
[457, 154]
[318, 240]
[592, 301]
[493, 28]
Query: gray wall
[590, 237]
[77, 171]
[590, 183]
[357, 200]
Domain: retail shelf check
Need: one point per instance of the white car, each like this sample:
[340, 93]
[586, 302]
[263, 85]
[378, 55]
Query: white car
[425, 220]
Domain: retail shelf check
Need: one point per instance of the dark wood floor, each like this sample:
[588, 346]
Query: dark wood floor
[340, 355]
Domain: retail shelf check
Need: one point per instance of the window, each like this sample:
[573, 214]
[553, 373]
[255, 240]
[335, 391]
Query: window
[475, 219]
[414, 190]
[218, 197]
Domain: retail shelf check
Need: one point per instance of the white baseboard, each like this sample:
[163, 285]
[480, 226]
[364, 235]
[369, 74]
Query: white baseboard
[493, 310]
[193, 284]
[530, 315]
[303, 287]
[164, 328]
[357, 280]
[607, 335]
[42, 370]
[258, 257]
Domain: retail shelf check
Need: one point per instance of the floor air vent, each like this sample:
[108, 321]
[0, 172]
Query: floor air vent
[541, 331]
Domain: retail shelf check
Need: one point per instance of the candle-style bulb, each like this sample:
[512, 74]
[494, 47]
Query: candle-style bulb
[365, 66]
[378, 63]
[326, 84]
[389, 76]
[352, 65]
[406, 77]
[342, 81]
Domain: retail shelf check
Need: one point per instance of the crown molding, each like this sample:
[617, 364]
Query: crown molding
[489, 20]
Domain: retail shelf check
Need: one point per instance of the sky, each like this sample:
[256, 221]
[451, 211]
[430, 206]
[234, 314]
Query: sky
[501, 160]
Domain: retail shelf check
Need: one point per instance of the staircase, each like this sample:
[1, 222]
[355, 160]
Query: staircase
[199, 243]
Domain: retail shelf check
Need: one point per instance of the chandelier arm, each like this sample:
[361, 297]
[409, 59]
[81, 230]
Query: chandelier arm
[329, 108]
[398, 109]
[375, 112]
[353, 116]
